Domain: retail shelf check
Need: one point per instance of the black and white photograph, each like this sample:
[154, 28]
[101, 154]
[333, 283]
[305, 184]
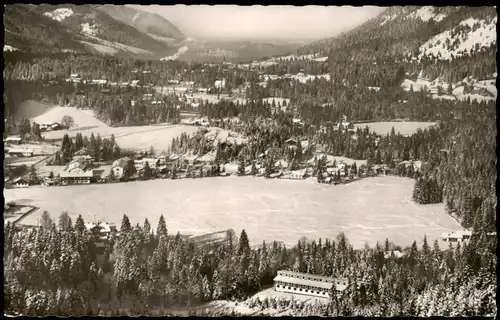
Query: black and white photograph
[225, 160]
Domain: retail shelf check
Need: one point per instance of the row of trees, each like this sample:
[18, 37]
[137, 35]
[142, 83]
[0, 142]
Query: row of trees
[57, 269]
[101, 149]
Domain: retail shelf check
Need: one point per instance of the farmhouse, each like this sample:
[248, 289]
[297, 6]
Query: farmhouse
[20, 183]
[220, 83]
[12, 140]
[50, 126]
[119, 167]
[393, 253]
[76, 173]
[102, 229]
[99, 81]
[140, 164]
[84, 159]
[21, 152]
[307, 284]
[461, 236]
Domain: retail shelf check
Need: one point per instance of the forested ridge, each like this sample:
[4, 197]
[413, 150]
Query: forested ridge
[56, 269]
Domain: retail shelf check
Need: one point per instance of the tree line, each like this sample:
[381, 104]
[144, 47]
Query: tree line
[61, 268]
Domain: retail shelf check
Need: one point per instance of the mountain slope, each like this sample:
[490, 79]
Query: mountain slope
[27, 30]
[154, 25]
[79, 28]
[447, 42]
[400, 32]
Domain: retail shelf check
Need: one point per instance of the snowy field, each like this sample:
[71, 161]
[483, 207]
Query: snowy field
[368, 211]
[131, 137]
[403, 127]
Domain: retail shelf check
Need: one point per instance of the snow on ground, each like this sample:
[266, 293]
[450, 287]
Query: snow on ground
[106, 46]
[403, 127]
[275, 60]
[484, 36]
[101, 48]
[489, 85]
[179, 52]
[39, 149]
[321, 59]
[142, 137]
[337, 159]
[305, 77]
[387, 18]
[278, 101]
[6, 47]
[59, 14]
[133, 137]
[368, 210]
[218, 135]
[443, 97]
[89, 29]
[417, 85]
[475, 96]
[82, 118]
[426, 13]
[271, 293]
[19, 161]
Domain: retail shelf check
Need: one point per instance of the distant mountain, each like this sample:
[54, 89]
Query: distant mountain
[80, 28]
[443, 43]
[28, 30]
[399, 33]
[234, 51]
[153, 24]
[119, 31]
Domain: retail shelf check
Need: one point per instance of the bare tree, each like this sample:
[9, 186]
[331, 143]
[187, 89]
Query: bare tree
[67, 121]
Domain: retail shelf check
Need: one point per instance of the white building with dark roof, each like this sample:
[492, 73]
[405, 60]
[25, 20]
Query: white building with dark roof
[13, 140]
[307, 284]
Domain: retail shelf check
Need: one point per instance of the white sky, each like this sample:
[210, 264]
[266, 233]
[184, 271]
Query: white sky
[263, 22]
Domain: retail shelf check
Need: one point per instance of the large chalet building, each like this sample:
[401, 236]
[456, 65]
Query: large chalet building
[307, 284]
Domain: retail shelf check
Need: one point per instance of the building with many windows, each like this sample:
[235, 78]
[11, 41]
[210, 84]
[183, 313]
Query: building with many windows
[76, 173]
[307, 284]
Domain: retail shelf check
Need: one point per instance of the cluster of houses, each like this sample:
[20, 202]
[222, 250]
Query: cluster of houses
[119, 166]
[76, 78]
[53, 126]
[461, 236]
[13, 148]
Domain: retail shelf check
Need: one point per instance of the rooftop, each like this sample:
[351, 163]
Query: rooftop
[311, 280]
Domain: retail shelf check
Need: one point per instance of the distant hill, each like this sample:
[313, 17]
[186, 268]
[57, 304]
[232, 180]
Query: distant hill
[235, 51]
[79, 28]
[153, 24]
[28, 30]
[448, 42]
[402, 32]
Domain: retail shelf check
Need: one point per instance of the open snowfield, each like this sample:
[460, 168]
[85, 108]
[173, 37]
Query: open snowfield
[369, 210]
[132, 137]
[483, 36]
[403, 127]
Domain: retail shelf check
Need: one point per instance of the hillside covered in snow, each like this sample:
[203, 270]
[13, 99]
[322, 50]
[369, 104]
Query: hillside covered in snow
[79, 28]
[447, 42]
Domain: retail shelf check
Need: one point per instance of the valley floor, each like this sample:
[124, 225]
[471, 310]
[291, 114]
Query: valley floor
[367, 211]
